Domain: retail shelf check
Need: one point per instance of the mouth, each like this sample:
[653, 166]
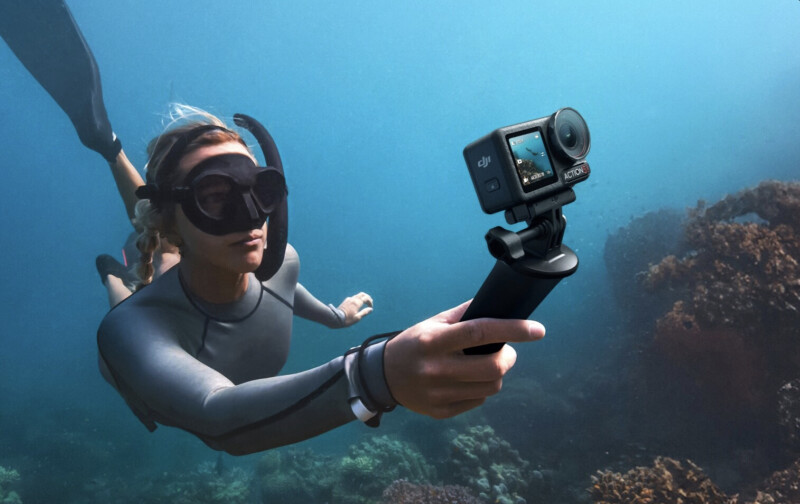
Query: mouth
[251, 239]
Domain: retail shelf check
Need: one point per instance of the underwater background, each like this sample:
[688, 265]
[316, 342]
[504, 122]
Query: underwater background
[371, 104]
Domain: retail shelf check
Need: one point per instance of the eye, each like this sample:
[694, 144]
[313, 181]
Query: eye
[211, 194]
[268, 189]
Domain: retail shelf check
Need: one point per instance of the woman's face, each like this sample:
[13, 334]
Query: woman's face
[238, 252]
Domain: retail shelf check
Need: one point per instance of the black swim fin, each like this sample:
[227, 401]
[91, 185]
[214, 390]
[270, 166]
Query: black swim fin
[44, 36]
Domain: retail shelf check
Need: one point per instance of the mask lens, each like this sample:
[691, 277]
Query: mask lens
[267, 190]
[212, 194]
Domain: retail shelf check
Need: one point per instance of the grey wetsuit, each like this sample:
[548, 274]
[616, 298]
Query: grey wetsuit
[212, 369]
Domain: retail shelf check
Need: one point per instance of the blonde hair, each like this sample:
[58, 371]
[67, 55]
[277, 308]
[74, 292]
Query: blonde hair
[157, 222]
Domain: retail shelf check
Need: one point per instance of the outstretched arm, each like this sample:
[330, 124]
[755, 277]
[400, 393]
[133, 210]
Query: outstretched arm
[164, 383]
[423, 368]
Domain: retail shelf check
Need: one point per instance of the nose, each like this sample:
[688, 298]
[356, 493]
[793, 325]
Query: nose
[252, 208]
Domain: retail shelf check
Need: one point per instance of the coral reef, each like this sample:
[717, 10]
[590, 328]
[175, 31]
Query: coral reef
[736, 330]
[646, 240]
[295, 476]
[208, 483]
[486, 463]
[204, 485]
[403, 492]
[783, 487]
[668, 481]
[374, 464]
[8, 477]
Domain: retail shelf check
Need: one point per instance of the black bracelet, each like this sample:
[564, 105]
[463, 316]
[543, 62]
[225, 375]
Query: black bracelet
[368, 400]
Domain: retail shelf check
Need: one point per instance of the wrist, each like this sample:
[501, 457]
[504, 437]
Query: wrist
[370, 396]
[341, 316]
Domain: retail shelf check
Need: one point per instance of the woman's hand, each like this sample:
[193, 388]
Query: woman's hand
[428, 372]
[354, 308]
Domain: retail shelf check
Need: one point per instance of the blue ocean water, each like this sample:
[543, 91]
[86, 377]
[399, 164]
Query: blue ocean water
[371, 104]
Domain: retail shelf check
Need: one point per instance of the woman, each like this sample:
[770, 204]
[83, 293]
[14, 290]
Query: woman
[201, 347]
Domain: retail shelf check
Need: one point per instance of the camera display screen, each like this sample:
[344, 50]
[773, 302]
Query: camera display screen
[531, 159]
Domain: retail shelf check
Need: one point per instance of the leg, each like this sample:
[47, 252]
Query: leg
[127, 179]
[117, 291]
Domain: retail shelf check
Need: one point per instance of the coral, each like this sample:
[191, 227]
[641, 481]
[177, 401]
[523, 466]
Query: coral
[736, 330]
[632, 249]
[667, 482]
[8, 477]
[372, 465]
[204, 485]
[403, 492]
[295, 476]
[789, 414]
[722, 360]
[486, 463]
[740, 269]
[783, 487]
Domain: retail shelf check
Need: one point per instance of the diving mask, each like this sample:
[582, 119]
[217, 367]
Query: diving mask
[227, 194]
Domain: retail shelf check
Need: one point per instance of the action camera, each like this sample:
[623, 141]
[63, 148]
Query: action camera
[528, 170]
[518, 167]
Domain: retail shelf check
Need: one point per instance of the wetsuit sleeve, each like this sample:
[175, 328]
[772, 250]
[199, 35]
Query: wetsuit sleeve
[311, 308]
[165, 383]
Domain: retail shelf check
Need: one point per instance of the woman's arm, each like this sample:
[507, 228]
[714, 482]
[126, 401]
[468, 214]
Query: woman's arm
[163, 383]
[350, 311]
[425, 371]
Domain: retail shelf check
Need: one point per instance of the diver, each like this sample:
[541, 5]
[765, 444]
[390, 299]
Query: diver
[201, 346]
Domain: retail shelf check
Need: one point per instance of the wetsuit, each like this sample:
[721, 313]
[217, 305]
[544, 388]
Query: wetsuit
[212, 369]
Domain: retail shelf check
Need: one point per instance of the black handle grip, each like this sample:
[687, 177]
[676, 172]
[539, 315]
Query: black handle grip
[507, 294]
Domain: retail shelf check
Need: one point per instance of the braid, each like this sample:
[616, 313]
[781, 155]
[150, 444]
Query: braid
[147, 242]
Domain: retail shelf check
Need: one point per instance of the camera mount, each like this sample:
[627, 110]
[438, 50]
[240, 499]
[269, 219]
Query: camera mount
[530, 263]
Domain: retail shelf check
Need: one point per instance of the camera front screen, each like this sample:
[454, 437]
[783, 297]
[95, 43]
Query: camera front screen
[531, 159]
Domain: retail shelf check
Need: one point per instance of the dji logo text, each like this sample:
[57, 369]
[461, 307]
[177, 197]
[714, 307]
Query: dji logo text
[484, 161]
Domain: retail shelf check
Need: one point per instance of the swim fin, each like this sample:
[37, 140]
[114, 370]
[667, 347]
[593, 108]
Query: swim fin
[44, 36]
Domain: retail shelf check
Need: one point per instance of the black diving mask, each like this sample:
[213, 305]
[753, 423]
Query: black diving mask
[228, 193]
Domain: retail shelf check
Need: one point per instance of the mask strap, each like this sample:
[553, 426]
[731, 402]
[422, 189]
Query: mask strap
[178, 148]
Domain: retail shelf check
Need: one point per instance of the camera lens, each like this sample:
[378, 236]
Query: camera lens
[569, 134]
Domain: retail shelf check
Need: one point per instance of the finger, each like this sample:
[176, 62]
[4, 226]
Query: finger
[363, 313]
[453, 315]
[458, 368]
[478, 332]
[454, 393]
[359, 300]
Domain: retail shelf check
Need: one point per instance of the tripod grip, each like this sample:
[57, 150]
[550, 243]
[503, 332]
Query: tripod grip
[514, 292]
